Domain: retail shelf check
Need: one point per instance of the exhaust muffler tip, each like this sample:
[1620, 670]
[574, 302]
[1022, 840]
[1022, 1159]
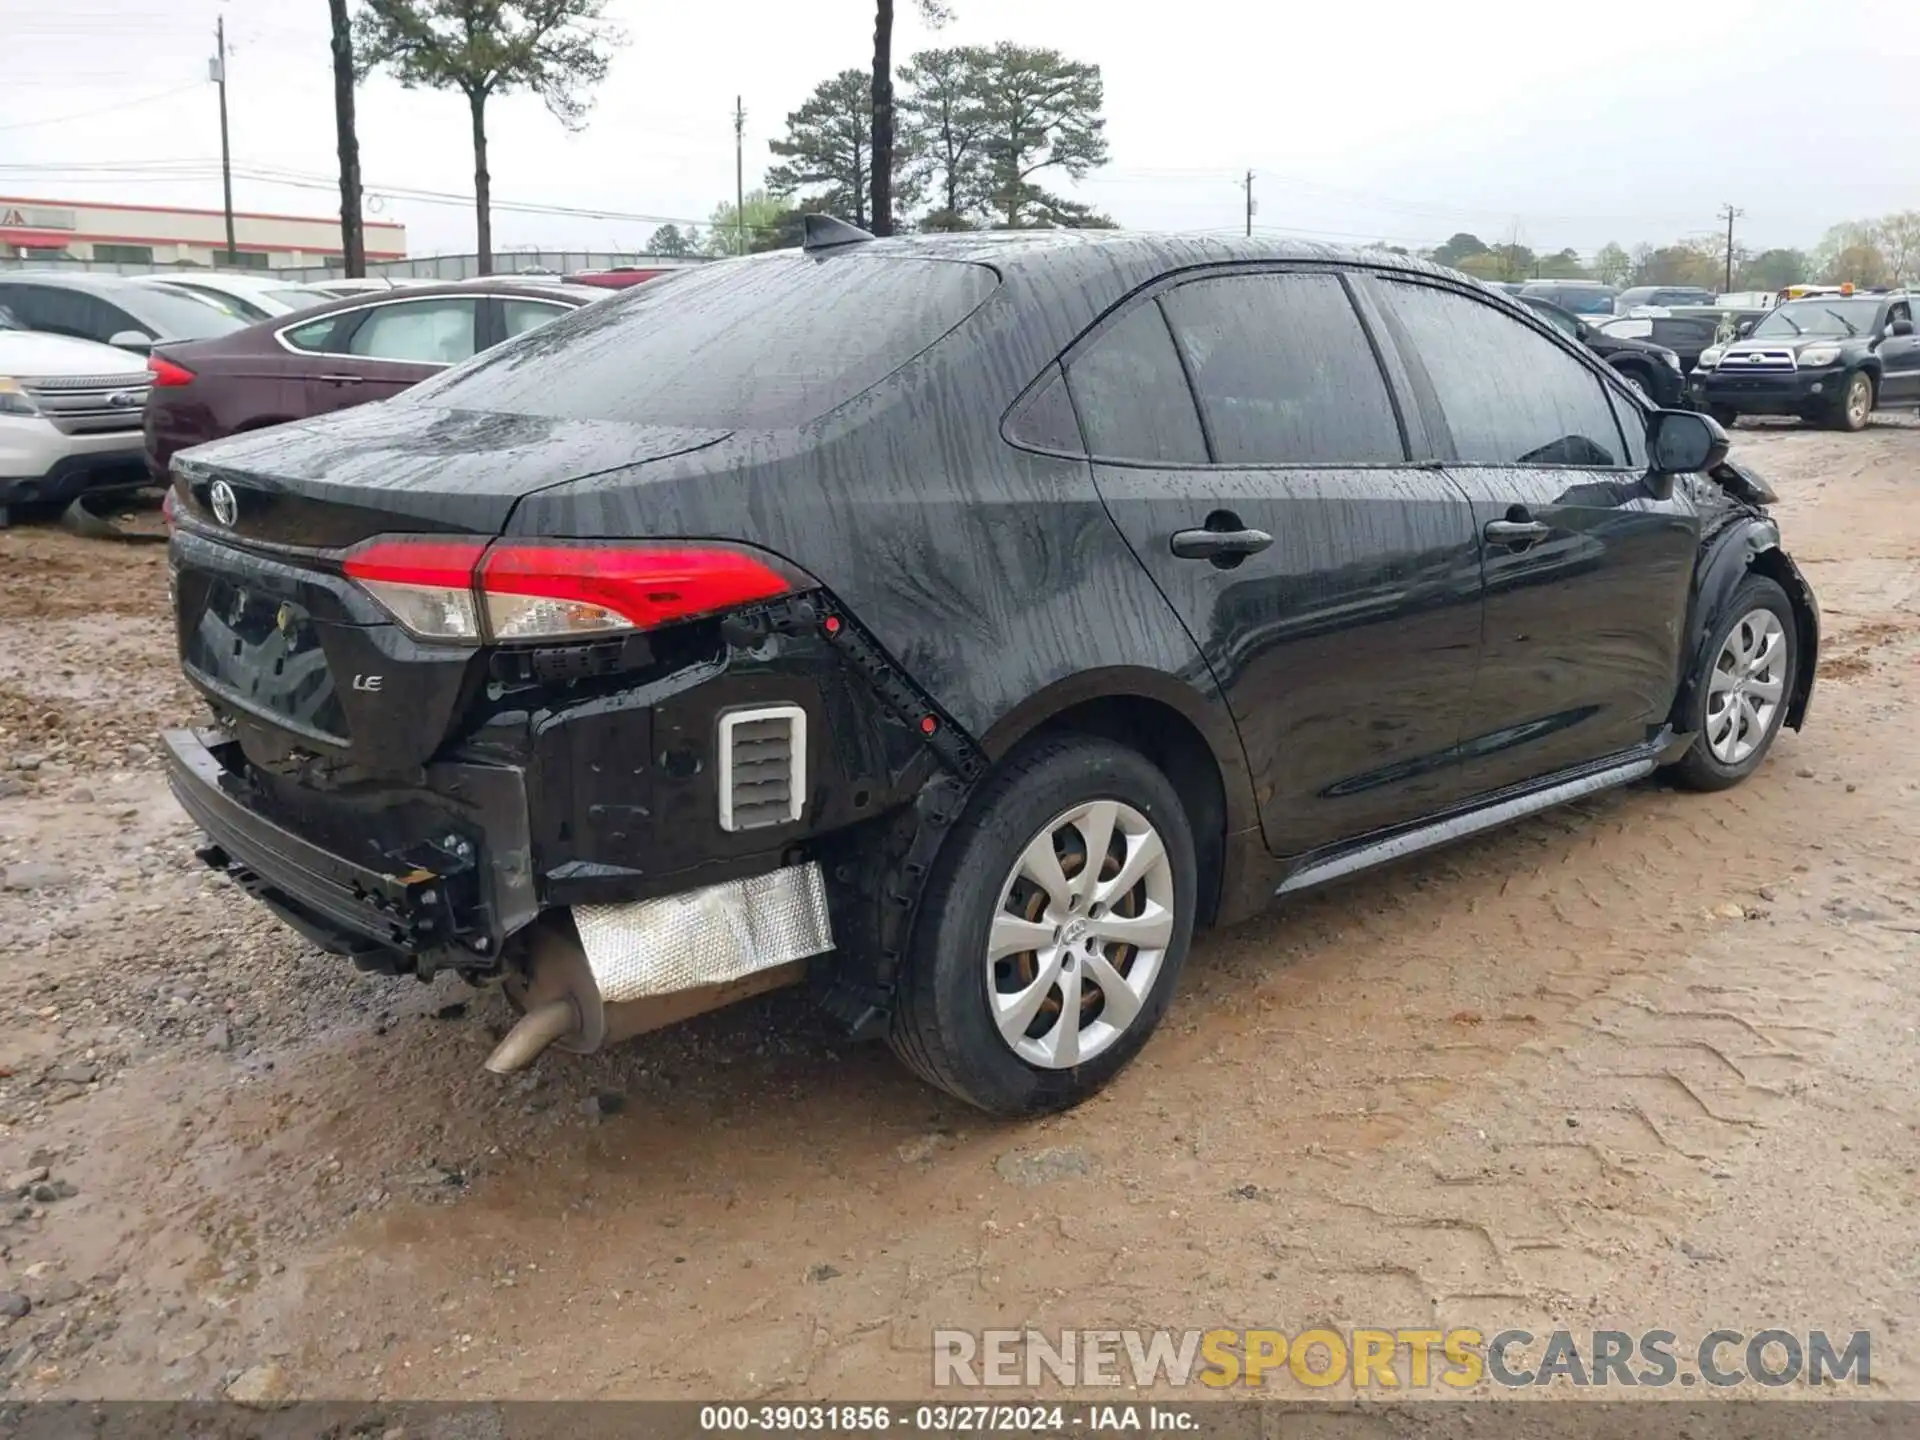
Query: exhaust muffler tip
[535, 1031]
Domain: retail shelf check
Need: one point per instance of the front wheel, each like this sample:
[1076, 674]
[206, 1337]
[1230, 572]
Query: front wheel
[1052, 931]
[1724, 415]
[1740, 699]
[1854, 407]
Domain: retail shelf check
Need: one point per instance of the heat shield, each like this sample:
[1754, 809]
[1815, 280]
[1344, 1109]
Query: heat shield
[705, 937]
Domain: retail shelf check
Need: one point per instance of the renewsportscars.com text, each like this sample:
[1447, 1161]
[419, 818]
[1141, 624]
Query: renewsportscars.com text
[1458, 1359]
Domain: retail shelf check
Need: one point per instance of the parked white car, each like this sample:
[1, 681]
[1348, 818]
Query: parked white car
[251, 297]
[70, 417]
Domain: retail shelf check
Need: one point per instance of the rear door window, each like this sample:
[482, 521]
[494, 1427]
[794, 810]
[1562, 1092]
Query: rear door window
[316, 336]
[1131, 394]
[1507, 394]
[769, 342]
[419, 332]
[1283, 372]
[518, 316]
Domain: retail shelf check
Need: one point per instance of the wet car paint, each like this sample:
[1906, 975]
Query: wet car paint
[1332, 686]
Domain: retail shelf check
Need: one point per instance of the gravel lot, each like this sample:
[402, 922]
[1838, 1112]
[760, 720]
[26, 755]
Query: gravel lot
[1646, 1061]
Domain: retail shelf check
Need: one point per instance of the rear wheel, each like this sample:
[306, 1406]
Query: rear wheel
[1052, 931]
[1741, 697]
[1854, 405]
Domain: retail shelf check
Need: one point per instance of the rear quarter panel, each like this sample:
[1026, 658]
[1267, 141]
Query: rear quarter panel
[993, 575]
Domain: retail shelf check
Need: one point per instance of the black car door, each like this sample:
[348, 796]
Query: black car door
[1899, 357]
[1588, 569]
[1331, 583]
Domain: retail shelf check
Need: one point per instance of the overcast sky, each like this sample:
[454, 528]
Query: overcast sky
[1630, 120]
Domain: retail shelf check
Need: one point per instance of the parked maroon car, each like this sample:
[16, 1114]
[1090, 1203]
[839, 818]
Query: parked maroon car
[340, 353]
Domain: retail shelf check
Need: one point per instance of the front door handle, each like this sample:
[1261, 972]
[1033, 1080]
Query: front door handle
[342, 379]
[1219, 544]
[1516, 532]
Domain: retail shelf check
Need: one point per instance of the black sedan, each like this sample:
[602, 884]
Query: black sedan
[955, 623]
[1654, 370]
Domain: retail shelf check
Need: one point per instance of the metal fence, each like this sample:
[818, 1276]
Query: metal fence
[425, 267]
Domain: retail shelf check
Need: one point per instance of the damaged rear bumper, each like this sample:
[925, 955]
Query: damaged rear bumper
[460, 886]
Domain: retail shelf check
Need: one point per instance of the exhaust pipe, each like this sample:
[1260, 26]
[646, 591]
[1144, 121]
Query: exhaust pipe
[536, 1031]
[606, 973]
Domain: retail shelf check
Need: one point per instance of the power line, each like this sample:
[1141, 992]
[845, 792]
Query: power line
[102, 110]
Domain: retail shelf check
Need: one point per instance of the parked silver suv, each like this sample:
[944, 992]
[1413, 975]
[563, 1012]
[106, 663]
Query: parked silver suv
[70, 415]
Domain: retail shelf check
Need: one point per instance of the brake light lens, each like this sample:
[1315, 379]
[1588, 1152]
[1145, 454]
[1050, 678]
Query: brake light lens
[427, 585]
[545, 589]
[165, 373]
[558, 590]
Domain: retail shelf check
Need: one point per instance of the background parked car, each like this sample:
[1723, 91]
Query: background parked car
[1653, 369]
[345, 353]
[1660, 297]
[112, 309]
[69, 416]
[1687, 332]
[252, 297]
[1582, 297]
[364, 285]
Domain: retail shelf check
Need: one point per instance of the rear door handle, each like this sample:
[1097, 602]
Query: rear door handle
[342, 379]
[1516, 532]
[1219, 544]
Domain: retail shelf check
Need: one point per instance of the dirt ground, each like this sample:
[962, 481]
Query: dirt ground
[1647, 1061]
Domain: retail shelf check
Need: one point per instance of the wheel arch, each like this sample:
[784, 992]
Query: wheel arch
[1178, 728]
[1750, 545]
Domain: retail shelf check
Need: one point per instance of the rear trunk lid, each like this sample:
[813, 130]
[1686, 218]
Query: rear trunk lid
[382, 469]
[314, 676]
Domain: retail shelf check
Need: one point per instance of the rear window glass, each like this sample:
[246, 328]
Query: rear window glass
[1131, 394]
[766, 343]
[178, 315]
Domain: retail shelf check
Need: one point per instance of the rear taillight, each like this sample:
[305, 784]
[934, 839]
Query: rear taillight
[558, 590]
[166, 373]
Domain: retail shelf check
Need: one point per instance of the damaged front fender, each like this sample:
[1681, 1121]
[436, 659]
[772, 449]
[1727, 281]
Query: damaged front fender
[1748, 543]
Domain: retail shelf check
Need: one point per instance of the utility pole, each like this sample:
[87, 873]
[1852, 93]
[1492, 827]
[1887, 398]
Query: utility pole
[1247, 184]
[739, 174]
[219, 72]
[1729, 214]
[353, 244]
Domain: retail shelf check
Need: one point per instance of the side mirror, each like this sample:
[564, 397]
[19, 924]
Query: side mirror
[1743, 329]
[1582, 331]
[1682, 442]
[134, 340]
[1900, 327]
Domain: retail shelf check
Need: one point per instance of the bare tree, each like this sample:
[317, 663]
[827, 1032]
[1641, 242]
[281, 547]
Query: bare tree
[353, 243]
[880, 203]
[559, 49]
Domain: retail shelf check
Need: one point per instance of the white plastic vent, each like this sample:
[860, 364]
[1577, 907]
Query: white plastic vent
[763, 767]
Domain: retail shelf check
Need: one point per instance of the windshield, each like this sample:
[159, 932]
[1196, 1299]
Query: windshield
[766, 343]
[1835, 318]
[179, 315]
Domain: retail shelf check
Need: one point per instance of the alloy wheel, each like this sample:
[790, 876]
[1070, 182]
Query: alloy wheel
[1747, 686]
[1080, 934]
[1859, 401]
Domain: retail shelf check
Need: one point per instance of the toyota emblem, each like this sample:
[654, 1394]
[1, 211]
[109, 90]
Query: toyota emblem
[226, 505]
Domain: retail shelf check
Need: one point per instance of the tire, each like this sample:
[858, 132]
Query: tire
[1724, 416]
[1640, 382]
[944, 1021]
[1853, 407]
[1725, 752]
